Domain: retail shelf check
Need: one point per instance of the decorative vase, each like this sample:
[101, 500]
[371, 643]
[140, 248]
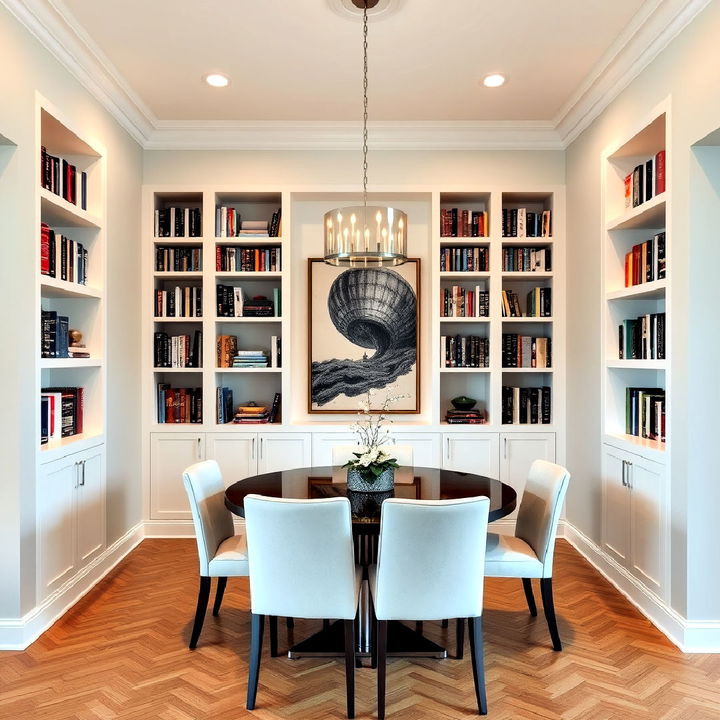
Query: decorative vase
[360, 480]
[365, 506]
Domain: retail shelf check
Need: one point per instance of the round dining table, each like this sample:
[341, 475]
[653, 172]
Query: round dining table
[419, 483]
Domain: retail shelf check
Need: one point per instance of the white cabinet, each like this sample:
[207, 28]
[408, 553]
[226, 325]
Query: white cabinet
[70, 517]
[170, 454]
[518, 451]
[425, 447]
[471, 452]
[634, 516]
[235, 453]
[283, 451]
[323, 444]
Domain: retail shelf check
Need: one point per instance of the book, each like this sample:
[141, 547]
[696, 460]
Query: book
[462, 222]
[660, 172]
[175, 221]
[275, 408]
[526, 405]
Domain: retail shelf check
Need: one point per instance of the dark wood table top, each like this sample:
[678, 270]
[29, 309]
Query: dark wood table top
[421, 483]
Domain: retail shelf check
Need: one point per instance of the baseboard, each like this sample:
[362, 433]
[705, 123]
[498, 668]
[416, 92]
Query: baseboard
[17, 634]
[689, 635]
[176, 528]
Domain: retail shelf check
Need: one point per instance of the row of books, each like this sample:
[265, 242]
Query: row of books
[463, 223]
[63, 257]
[252, 414]
[464, 351]
[523, 351]
[520, 222]
[179, 302]
[645, 181]
[178, 259]
[178, 222]
[228, 355]
[526, 405]
[645, 413]
[465, 417]
[61, 412]
[458, 301]
[646, 261]
[250, 359]
[229, 223]
[526, 259]
[55, 337]
[178, 351]
[642, 338]
[62, 178]
[231, 302]
[235, 259]
[224, 412]
[179, 405]
[539, 303]
[464, 259]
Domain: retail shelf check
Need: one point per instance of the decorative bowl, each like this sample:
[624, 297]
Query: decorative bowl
[463, 403]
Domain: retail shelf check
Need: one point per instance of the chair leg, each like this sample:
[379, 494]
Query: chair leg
[418, 626]
[381, 666]
[478, 662]
[460, 638]
[350, 666]
[289, 623]
[549, 607]
[257, 623]
[326, 624]
[272, 621]
[202, 603]
[445, 624]
[527, 586]
[219, 592]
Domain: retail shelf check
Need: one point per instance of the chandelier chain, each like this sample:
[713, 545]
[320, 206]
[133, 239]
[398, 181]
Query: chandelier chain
[365, 103]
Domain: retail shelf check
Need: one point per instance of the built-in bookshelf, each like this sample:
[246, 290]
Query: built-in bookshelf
[637, 276]
[70, 241]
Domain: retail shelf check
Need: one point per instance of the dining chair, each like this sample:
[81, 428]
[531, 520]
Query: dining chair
[529, 553]
[429, 566]
[301, 565]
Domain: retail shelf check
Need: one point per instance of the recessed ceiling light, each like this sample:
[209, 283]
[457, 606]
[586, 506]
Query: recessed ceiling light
[217, 80]
[494, 80]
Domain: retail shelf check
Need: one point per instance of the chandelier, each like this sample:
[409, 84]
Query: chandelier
[365, 235]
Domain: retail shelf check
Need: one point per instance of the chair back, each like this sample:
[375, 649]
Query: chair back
[213, 521]
[431, 559]
[540, 509]
[301, 557]
[402, 453]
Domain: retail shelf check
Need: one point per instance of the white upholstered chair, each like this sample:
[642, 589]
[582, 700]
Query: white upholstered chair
[222, 554]
[302, 564]
[429, 567]
[529, 553]
[402, 453]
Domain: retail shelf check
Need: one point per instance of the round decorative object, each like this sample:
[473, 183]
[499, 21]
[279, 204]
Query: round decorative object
[363, 481]
[463, 403]
[75, 337]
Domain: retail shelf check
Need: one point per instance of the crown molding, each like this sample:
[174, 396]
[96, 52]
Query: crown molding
[648, 33]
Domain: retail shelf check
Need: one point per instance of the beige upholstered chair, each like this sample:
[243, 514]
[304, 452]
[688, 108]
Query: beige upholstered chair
[429, 567]
[529, 553]
[301, 565]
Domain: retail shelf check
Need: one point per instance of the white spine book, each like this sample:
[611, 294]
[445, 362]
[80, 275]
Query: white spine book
[178, 301]
[238, 298]
[172, 222]
[521, 222]
[218, 221]
[273, 351]
[186, 223]
[223, 222]
[443, 354]
[173, 352]
[157, 223]
[516, 406]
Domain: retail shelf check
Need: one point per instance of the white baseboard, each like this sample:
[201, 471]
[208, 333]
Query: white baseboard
[18, 633]
[689, 635]
[177, 528]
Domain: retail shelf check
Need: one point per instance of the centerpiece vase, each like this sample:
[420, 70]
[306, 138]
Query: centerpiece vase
[361, 480]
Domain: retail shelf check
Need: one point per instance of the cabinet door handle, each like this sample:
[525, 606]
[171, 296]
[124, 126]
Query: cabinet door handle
[253, 449]
[505, 448]
[77, 474]
[261, 448]
[82, 474]
[199, 455]
[629, 475]
[447, 448]
[624, 480]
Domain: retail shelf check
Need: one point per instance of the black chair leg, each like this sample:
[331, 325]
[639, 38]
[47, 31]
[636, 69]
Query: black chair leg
[418, 626]
[549, 606]
[219, 592]
[445, 624]
[202, 603]
[257, 624]
[326, 624]
[289, 623]
[272, 620]
[527, 586]
[478, 662]
[350, 666]
[460, 638]
[381, 666]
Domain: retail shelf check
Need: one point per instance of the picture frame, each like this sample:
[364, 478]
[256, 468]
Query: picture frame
[363, 334]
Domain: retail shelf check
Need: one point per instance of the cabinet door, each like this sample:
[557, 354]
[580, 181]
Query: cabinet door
[647, 533]
[91, 506]
[170, 454]
[56, 523]
[282, 451]
[518, 451]
[616, 506]
[323, 444]
[471, 452]
[235, 453]
[425, 447]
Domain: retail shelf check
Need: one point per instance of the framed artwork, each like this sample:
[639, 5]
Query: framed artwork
[363, 326]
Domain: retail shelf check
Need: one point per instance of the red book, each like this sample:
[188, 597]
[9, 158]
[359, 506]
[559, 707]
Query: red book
[660, 172]
[636, 264]
[79, 404]
[218, 258]
[44, 249]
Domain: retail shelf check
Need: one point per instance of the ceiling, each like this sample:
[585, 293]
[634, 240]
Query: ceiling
[298, 64]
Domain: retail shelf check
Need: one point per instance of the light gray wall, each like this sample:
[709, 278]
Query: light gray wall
[687, 70]
[28, 68]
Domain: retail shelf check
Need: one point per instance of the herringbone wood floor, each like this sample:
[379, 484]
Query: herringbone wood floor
[122, 653]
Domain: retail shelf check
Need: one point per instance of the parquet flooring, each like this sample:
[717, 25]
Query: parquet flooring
[122, 653]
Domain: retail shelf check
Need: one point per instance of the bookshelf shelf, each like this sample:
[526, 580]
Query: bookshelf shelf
[636, 364]
[481, 319]
[179, 274]
[196, 241]
[240, 275]
[527, 370]
[257, 240]
[53, 288]
[463, 240]
[74, 443]
[463, 275]
[253, 371]
[178, 370]
[650, 215]
[69, 363]
[653, 448]
[59, 212]
[465, 370]
[651, 290]
[527, 319]
[526, 275]
[272, 319]
[527, 241]
[177, 319]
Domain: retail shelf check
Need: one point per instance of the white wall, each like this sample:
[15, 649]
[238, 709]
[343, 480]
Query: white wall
[28, 68]
[687, 70]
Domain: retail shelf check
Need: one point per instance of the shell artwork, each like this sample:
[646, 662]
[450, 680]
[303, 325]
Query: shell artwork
[375, 309]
